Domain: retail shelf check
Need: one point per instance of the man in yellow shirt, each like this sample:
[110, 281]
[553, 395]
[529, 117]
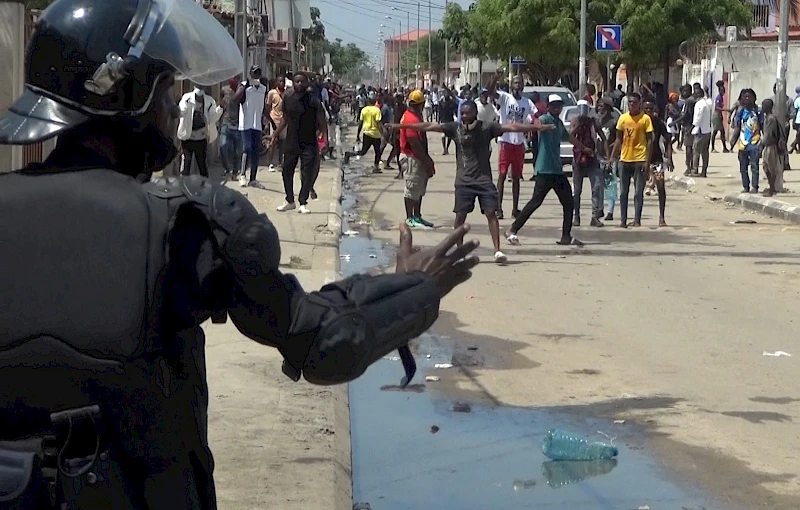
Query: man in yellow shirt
[371, 128]
[634, 134]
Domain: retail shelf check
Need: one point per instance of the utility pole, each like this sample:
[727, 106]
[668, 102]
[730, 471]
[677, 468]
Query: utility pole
[416, 68]
[430, 42]
[399, 55]
[240, 31]
[408, 47]
[780, 89]
[783, 49]
[292, 37]
[582, 61]
[446, 80]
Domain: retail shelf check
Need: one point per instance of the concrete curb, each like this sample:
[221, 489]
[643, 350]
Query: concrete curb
[767, 206]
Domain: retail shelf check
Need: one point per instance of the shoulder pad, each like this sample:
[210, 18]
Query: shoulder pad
[225, 207]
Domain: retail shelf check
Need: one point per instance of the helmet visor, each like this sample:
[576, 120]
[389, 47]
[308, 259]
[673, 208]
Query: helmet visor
[185, 36]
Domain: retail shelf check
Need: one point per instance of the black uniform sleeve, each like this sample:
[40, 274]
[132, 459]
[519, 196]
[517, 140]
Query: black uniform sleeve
[328, 336]
[450, 129]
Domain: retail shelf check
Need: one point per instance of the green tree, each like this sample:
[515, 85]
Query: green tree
[460, 31]
[346, 60]
[409, 57]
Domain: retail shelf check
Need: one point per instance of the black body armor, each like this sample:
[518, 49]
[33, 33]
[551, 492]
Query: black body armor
[103, 388]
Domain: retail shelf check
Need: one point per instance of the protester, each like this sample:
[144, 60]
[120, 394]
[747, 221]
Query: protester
[634, 135]
[659, 156]
[585, 129]
[230, 140]
[303, 117]
[771, 147]
[749, 125]
[197, 128]
[687, 123]
[415, 162]
[514, 108]
[717, 120]
[550, 174]
[274, 109]
[701, 131]
[448, 107]
[608, 124]
[796, 144]
[473, 139]
[371, 127]
[252, 96]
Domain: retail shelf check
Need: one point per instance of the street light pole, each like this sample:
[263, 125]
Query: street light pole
[446, 54]
[416, 68]
[430, 42]
[408, 44]
[582, 61]
[783, 49]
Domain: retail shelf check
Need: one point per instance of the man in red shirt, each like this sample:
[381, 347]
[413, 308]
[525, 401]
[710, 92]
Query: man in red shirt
[415, 161]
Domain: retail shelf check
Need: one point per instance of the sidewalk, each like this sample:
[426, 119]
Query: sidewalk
[724, 183]
[277, 443]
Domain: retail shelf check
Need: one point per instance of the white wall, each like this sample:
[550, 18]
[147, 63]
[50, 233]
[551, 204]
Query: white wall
[753, 64]
[12, 62]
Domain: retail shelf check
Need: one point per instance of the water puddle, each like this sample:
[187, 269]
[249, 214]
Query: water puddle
[418, 449]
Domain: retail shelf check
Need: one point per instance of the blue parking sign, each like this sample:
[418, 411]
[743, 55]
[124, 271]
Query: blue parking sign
[608, 38]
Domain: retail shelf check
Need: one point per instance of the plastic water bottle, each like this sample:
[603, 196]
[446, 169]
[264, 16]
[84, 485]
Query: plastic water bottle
[561, 445]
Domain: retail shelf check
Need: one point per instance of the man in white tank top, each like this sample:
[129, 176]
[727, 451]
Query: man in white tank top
[252, 97]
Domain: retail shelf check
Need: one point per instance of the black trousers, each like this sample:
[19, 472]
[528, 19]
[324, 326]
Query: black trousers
[368, 142]
[544, 183]
[198, 148]
[308, 157]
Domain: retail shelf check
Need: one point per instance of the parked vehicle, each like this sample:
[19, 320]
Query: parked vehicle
[544, 93]
[568, 114]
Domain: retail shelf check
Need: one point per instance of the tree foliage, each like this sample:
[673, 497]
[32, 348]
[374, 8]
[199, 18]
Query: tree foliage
[347, 59]
[408, 59]
[547, 32]
[459, 29]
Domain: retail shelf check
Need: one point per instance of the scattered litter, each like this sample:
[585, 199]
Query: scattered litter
[432, 378]
[428, 356]
[351, 233]
[345, 257]
[561, 256]
[362, 506]
[373, 256]
[619, 422]
[443, 365]
[644, 507]
[561, 445]
[393, 358]
[744, 222]
[521, 485]
[713, 199]
[472, 348]
[729, 176]
[434, 429]
[460, 407]
[365, 222]
[776, 354]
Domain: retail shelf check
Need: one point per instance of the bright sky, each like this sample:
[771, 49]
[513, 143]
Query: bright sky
[359, 21]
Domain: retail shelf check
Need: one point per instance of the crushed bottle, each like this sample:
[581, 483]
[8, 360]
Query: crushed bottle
[561, 445]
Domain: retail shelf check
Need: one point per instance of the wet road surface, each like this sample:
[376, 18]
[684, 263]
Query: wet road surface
[424, 448]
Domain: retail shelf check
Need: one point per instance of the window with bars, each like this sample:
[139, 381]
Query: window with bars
[761, 16]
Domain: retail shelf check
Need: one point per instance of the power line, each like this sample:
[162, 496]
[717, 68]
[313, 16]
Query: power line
[381, 18]
[422, 3]
[329, 24]
[362, 10]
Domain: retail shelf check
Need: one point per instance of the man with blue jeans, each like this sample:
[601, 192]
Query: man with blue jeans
[252, 96]
[750, 123]
[230, 141]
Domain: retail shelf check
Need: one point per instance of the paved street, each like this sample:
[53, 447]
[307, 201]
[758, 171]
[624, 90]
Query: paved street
[664, 328]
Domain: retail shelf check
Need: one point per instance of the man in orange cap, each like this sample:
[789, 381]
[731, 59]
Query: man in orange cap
[415, 161]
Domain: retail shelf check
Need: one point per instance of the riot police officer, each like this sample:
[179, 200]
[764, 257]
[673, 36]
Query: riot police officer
[107, 274]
